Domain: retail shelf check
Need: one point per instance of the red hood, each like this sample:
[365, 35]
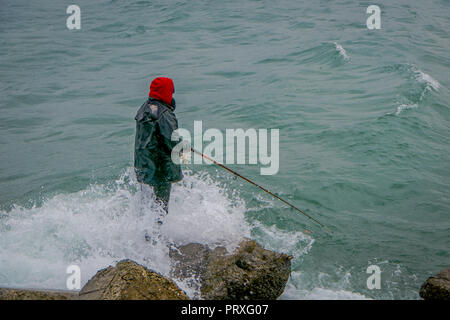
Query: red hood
[162, 89]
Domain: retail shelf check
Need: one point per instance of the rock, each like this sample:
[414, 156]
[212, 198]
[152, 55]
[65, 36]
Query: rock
[250, 273]
[126, 281]
[437, 287]
[189, 260]
[130, 281]
[28, 294]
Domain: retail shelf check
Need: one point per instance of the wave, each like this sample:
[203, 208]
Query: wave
[332, 54]
[342, 51]
[402, 107]
[422, 77]
[416, 89]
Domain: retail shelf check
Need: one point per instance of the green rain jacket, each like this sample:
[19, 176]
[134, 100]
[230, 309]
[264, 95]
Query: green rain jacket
[155, 122]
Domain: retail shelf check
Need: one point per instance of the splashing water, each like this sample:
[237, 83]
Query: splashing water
[103, 224]
[98, 226]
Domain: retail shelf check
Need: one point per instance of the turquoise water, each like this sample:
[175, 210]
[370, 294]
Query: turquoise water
[364, 136]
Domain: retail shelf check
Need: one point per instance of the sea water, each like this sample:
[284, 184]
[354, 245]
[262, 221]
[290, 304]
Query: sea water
[364, 137]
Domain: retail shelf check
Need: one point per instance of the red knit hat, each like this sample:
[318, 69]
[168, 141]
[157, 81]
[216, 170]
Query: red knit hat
[162, 89]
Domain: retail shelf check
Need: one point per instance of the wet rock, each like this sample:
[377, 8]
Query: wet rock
[189, 260]
[249, 273]
[28, 294]
[130, 281]
[437, 287]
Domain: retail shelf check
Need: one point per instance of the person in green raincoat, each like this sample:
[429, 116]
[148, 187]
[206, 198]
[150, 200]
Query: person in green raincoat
[155, 123]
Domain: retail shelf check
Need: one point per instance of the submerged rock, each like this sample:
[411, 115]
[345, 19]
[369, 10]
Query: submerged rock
[437, 287]
[130, 281]
[249, 273]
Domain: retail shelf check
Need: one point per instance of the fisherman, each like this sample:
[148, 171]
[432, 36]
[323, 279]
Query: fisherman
[155, 123]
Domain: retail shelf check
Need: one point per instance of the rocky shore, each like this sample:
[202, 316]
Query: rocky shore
[249, 273]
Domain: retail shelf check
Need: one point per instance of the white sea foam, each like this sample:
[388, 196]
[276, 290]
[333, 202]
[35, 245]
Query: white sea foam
[101, 225]
[342, 51]
[298, 244]
[324, 287]
[292, 293]
[403, 107]
[295, 243]
[426, 78]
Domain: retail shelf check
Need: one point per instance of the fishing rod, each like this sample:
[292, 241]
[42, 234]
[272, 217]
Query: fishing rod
[260, 187]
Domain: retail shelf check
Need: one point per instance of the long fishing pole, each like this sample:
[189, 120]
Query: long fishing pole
[260, 187]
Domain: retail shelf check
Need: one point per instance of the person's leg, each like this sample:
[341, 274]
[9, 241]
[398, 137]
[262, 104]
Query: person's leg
[162, 195]
[144, 198]
[145, 202]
